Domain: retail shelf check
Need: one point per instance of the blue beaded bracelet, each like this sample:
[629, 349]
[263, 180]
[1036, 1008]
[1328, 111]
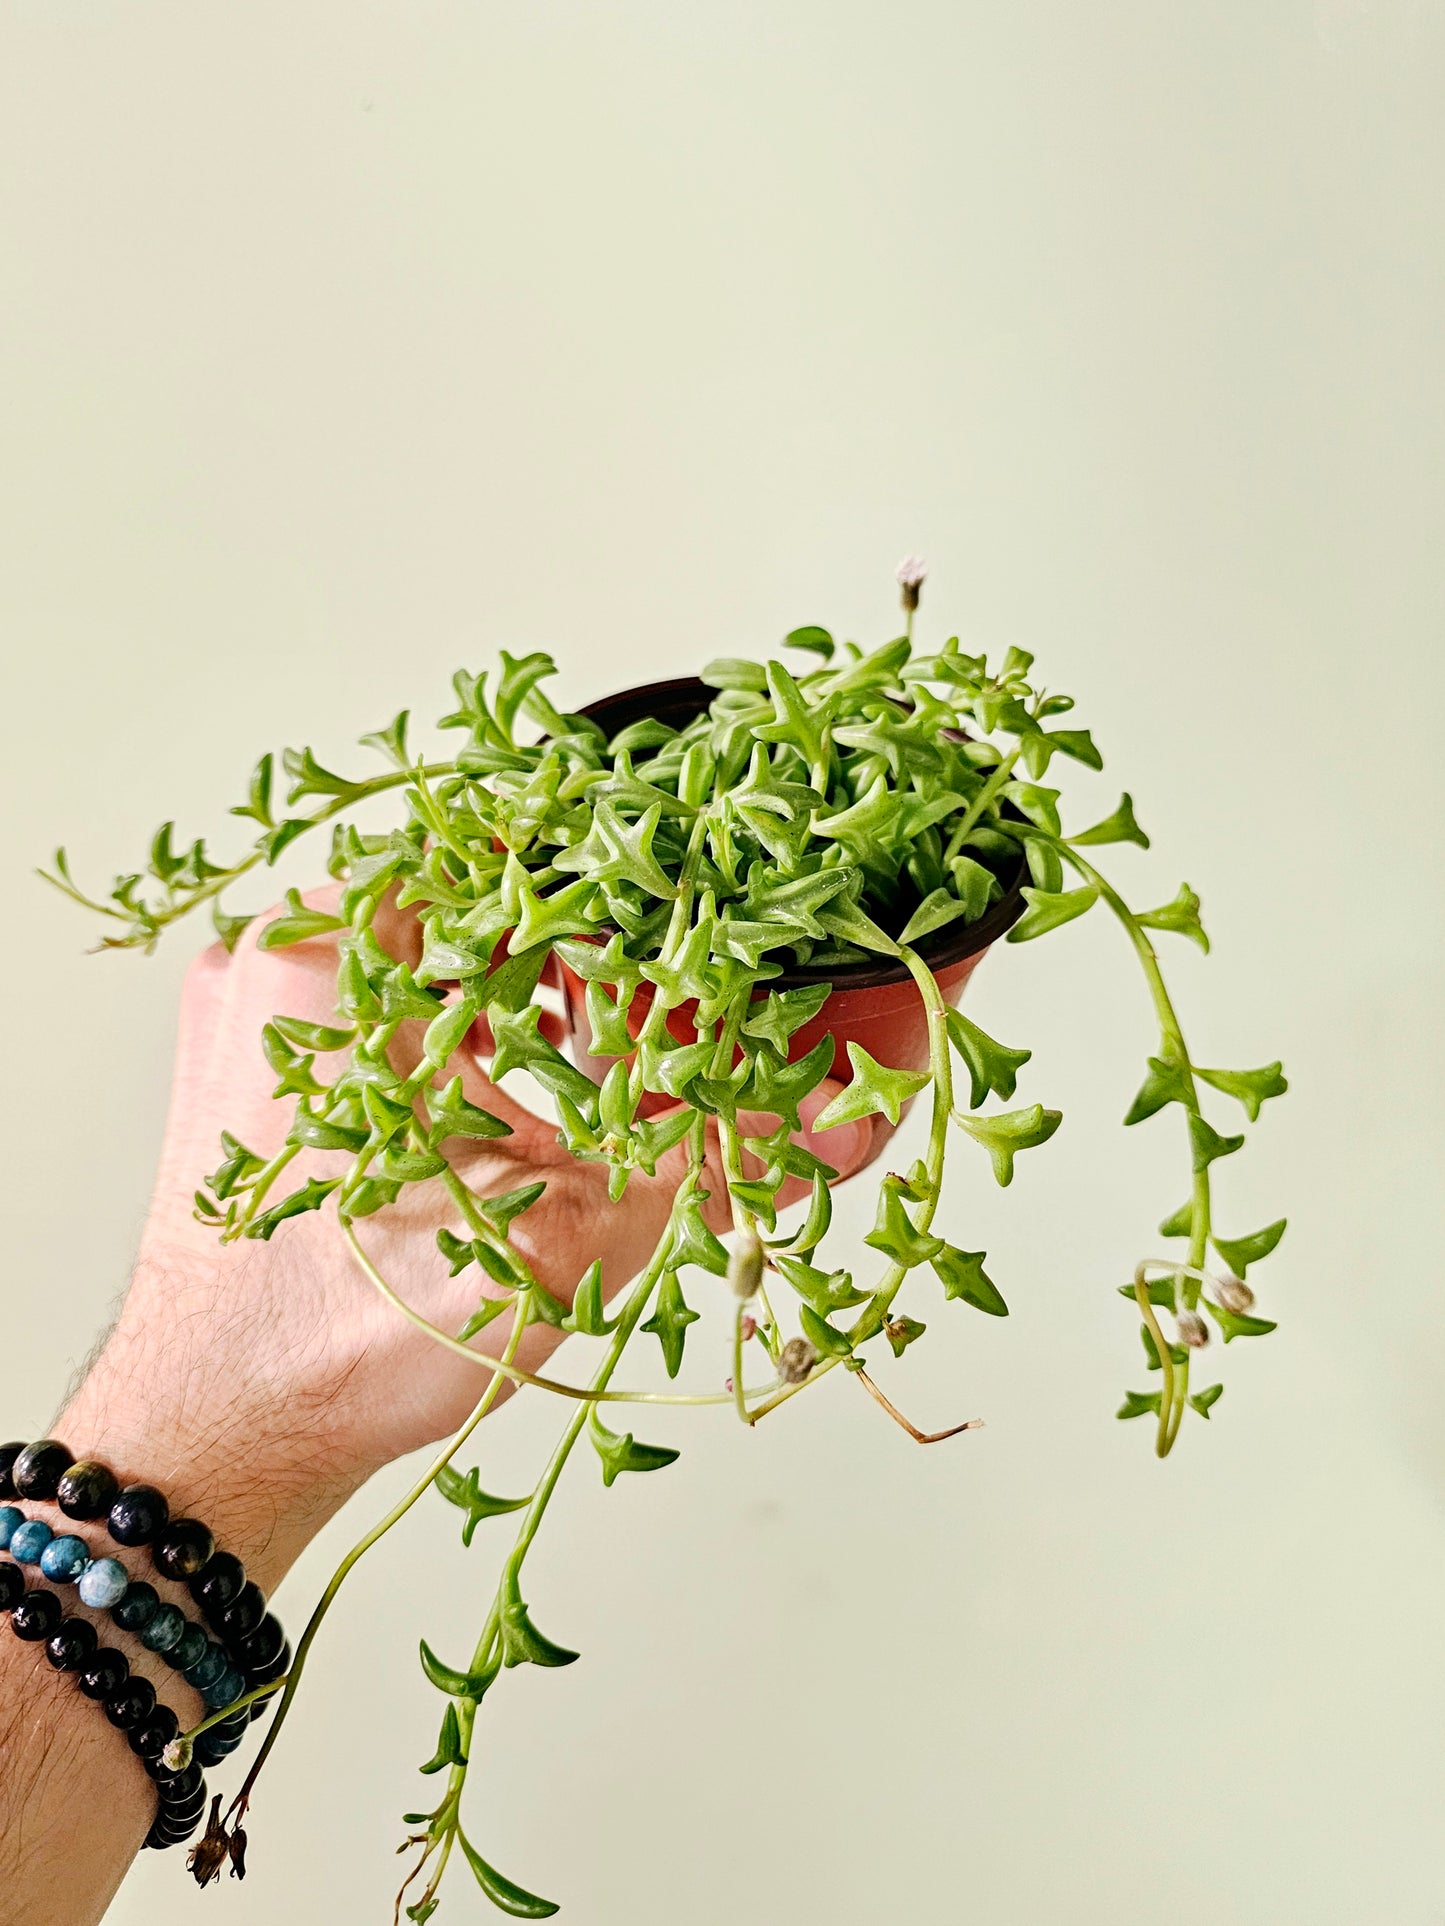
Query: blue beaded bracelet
[134, 1605]
[71, 1645]
[182, 1549]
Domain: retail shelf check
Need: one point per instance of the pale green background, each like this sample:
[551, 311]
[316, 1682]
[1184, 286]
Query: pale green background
[346, 343]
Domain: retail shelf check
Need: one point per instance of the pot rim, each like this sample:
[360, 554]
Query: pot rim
[687, 697]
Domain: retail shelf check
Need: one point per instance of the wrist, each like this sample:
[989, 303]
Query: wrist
[262, 1478]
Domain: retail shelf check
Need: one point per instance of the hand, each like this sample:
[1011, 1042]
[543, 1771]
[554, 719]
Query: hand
[261, 1383]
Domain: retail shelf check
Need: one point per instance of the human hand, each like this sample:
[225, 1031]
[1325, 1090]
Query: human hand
[268, 1380]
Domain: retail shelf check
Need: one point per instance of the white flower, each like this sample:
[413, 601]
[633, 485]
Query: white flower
[911, 571]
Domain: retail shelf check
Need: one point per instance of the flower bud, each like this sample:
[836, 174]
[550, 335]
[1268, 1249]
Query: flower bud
[177, 1755]
[750, 1326]
[745, 1267]
[1234, 1294]
[911, 571]
[1192, 1330]
[796, 1360]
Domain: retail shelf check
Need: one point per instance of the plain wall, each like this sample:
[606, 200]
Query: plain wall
[344, 344]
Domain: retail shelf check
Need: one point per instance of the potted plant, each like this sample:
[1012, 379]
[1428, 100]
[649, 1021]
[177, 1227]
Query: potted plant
[742, 884]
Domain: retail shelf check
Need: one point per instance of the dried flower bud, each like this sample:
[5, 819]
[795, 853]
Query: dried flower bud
[911, 571]
[1234, 1294]
[238, 1853]
[1192, 1330]
[745, 1267]
[207, 1858]
[177, 1755]
[796, 1360]
[750, 1326]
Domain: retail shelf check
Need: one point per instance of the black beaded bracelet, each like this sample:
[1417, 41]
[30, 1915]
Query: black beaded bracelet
[102, 1673]
[181, 1549]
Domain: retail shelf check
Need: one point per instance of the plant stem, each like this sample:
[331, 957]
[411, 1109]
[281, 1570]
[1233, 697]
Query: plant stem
[364, 1545]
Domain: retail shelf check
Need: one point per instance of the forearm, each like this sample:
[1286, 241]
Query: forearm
[75, 1802]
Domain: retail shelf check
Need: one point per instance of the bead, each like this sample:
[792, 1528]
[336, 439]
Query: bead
[8, 1454]
[166, 1626]
[210, 1750]
[11, 1517]
[187, 1648]
[226, 1690]
[27, 1541]
[72, 1644]
[259, 1647]
[137, 1515]
[208, 1668]
[103, 1583]
[132, 1705]
[36, 1616]
[137, 1608]
[65, 1558]
[180, 1788]
[164, 1833]
[272, 1669]
[37, 1470]
[12, 1585]
[242, 1615]
[150, 1739]
[218, 1581]
[183, 1549]
[107, 1672]
[88, 1490]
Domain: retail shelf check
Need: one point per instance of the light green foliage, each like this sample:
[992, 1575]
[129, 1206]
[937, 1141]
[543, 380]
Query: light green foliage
[854, 806]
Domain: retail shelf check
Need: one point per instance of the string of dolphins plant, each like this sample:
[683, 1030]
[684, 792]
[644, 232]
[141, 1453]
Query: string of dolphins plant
[843, 813]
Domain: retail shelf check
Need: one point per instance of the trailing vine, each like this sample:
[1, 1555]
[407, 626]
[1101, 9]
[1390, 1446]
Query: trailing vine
[803, 824]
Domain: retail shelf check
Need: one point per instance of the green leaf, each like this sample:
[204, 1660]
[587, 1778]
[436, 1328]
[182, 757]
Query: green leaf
[938, 908]
[1137, 1403]
[1050, 910]
[623, 1453]
[443, 1035]
[320, 1133]
[258, 802]
[467, 1494]
[1207, 1144]
[588, 1316]
[1235, 1324]
[775, 1018]
[991, 1066]
[452, 1115]
[1252, 1088]
[1077, 743]
[449, 1744]
[610, 1034]
[1166, 1083]
[1118, 828]
[1159, 1291]
[511, 983]
[313, 1036]
[1011, 1131]
[1180, 1223]
[297, 925]
[1203, 1400]
[802, 724]
[974, 885]
[825, 1291]
[894, 1232]
[1240, 1252]
[963, 1276]
[827, 1341]
[391, 740]
[487, 1309]
[310, 779]
[616, 851]
[1040, 805]
[456, 1685]
[311, 1196]
[522, 1643]
[1181, 916]
[669, 1321]
[810, 637]
[505, 1894]
[731, 672]
[778, 1087]
[875, 1088]
[229, 928]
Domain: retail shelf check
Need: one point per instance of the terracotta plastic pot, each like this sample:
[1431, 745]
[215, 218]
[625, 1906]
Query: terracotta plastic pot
[876, 1004]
